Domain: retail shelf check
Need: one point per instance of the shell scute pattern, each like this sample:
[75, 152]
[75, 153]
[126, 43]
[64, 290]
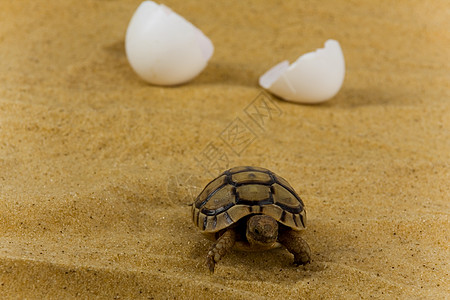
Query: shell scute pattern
[242, 191]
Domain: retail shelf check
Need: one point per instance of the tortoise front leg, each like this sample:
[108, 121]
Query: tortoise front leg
[220, 248]
[296, 245]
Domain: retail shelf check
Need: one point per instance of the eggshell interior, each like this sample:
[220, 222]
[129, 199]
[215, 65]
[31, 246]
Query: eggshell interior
[314, 77]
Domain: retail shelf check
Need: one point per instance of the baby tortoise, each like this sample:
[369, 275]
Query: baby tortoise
[252, 209]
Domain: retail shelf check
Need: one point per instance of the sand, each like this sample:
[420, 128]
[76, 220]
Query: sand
[98, 168]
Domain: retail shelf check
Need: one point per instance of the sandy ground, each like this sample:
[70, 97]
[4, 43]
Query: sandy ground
[98, 168]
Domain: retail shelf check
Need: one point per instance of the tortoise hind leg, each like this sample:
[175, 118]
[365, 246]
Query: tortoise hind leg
[296, 245]
[220, 248]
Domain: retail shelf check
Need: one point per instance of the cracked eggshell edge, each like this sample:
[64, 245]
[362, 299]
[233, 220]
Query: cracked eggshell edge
[313, 78]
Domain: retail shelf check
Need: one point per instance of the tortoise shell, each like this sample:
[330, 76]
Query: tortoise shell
[244, 191]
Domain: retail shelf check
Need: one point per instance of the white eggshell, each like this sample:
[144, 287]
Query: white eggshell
[163, 48]
[314, 77]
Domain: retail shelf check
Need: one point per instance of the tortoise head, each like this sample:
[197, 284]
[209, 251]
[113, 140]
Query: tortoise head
[262, 230]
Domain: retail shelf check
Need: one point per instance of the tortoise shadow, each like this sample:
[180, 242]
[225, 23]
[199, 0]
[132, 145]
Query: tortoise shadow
[275, 266]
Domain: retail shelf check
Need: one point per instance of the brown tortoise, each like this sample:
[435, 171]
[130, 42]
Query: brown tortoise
[252, 209]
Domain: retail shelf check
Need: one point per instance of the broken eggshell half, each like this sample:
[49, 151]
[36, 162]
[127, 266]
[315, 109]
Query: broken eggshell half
[313, 78]
[163, 48]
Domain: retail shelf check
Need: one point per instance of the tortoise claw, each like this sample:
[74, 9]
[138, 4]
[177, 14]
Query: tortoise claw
[301, 263]
[301, 259]
[210, 263]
